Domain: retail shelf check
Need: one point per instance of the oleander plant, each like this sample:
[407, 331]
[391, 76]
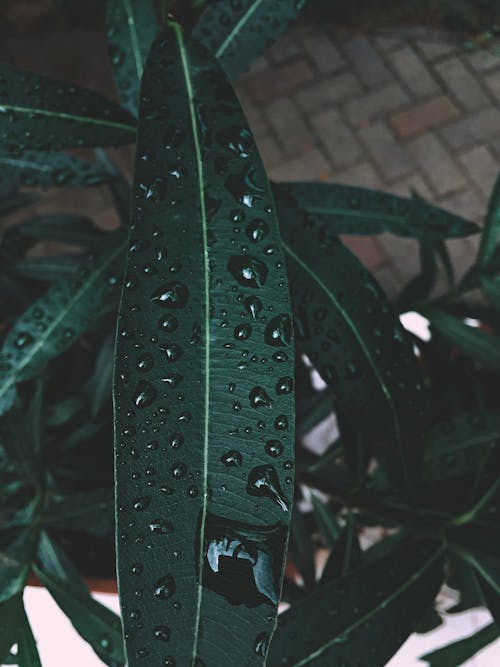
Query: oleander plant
[218, 392]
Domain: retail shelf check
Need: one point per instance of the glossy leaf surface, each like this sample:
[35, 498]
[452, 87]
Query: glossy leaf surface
[55, 320]
[204, 378]
[38, 112]
[131, 28]
[348, 209]
[238, 32]
[362, 618]
[51, 168]
[352, 336]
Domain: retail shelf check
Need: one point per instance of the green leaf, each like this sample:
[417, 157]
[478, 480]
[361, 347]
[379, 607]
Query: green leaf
[37, 112]
[347, 209]
[237, 33]
[462, 577]
[27, 652]
[212, 423]
[459, 446]
[98, 387]
[94, 622]
[46, 269]
[16, 558]
[472, 341]
[327, 522]
[57, 318]
[131, 26]
[364, 617]
[455, 654]
[491, 290]
[79, 510]
[354, 339]
[488, 571]
[301, 548]
[346, 554]
[422, 284]
[491, 231]
[50, 168]
[9, 624]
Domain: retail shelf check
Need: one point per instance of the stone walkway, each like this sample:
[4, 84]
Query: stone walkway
[398, 114]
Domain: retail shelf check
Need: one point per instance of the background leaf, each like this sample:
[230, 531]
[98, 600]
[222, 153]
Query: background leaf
[455, 654]
[490, 236]
[211, 423]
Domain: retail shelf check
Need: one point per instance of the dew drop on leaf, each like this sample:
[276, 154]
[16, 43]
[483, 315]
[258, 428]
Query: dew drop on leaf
[141, 504]
[274, 448]
[171, 295]
[232, 458]
[162, 632]
[144, 395]
[248, 270]
[279, 331]
[164, 587]
[259, 398]
[161, 527]
[263, 481]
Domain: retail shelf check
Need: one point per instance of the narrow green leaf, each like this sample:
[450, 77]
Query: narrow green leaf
[15, 563]
[27, 652]
[422, 284]
[55, 320]
[347, 209]
[131, 26]
[238, 32]
[210, 421]
[488, 572]
[50, 168]
[46, 269]
[327, 522]
[52, 559]
[94, 622]
[472, 341]
[491, 290]
[37, 112]
[98, 388]
[118, 185]
[79, 510]
[353, 338]
[455, 654]
[301, 548]
[363, 617]
[346, 554]
[490, 237]
[9, 623]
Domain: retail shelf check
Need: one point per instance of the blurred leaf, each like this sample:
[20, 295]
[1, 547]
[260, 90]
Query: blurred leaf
[39, 113]
[16, 201]
[16, 558]
[489, 579]
[301, 548]
[120, 189]
[46, 269]
[51, 168]
[131, 26]
[490, 236]
[27, 653]
[421, 285]
[237, 33]
[56, 319]
[455, 654]
[472, 341]
[430, 621]
[327, 522]
[353, 338]
[346, 554]
[62, 412]
[79, 510]
[347, 209]
[98, 387]
[491, 290]
[364, 617]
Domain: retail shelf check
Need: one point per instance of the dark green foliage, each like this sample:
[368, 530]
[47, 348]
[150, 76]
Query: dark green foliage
[224, 383]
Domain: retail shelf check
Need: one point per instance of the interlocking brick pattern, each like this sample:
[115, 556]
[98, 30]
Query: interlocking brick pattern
[397, 112]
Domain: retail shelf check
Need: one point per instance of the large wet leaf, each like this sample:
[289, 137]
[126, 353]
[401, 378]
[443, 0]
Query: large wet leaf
[204, 378]
[455, 654]
[131, 28]
[350, 333]
[37, 112]
[347, 209]
[238, 32]
[364, 617]
[51, 168]
[57, 318]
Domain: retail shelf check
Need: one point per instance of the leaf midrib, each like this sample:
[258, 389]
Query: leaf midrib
[359, 338]
[69, 116]
[238, 27]
[207, 377]
[366, 617]
[11, 378]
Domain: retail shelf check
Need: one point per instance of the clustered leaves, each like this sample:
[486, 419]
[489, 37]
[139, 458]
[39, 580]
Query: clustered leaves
[249, 342]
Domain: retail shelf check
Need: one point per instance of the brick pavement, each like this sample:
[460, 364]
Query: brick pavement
[396, 112]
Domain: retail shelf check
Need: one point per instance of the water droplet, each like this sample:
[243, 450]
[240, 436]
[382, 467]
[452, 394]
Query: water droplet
[179, 470]
[274, 448]
[257, 230]
[232, 458]
[23, 339]
[176, 440]
[281, 423]
[242, 331]
[284, 385]
[168, 323]
[162, 632]
[161, 527]
[261, 643]
[170, 661]
[145, 362]
[137, 569]
[171, 295]
[259, 398]
[263, 481]
[248, 270]
[279, 331]
[145, 394]
[253, 306]
[165, 587]
[172, 351]
[141, 504]
[172, 380]
[105, 643]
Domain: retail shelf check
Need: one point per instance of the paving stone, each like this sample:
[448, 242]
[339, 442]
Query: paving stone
[329, 91]
[423, 117]
[437, 164]
[462, 84]
[260, 64]
[495, 147]
[273, 83]
[309, 166]
[492, 81]
[388, 43]
[413, 72]
[362, 174]
[289, 127]
[366, 249]
[270, 152]
[366, 61]
[323, 53]
[482, 167]
[284, 48]
[480, 126]
[433, 50]
[336, 138]
[466, 203]
[485, 59]
[373, 105]
[390, 156]
[407, 186]
[403, 255]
